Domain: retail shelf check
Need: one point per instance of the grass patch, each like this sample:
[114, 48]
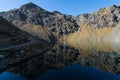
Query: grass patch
[89, 39]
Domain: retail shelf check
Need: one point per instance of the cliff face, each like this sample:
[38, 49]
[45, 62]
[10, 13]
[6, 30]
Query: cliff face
[104, 17]
[59, 24]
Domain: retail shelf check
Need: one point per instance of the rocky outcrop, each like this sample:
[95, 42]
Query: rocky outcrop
[57, 23]
[104, 17]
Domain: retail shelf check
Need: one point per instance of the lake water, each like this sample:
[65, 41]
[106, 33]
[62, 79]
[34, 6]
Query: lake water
[73, 72]
[67, 63]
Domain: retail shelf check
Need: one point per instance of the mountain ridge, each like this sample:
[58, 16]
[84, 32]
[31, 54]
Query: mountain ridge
[59, 24]
[104, 17]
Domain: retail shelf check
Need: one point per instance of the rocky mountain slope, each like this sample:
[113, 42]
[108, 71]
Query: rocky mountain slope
[11, 35]
[104, 17]
[99, 28]
[59, 24]
[17, 45]
[98, 39]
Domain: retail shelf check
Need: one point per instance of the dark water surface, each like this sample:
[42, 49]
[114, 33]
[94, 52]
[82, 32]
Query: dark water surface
[73, 72]
[77, 72]
[67, 63]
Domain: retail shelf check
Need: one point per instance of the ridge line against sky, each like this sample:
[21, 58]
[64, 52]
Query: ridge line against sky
[71, 7]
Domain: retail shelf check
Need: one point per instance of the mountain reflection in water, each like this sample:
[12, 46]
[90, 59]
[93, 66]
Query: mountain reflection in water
[55, 65]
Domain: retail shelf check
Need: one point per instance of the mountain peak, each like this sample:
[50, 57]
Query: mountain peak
[30, 5]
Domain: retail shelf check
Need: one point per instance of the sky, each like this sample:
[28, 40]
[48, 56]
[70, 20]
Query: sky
[71, 7]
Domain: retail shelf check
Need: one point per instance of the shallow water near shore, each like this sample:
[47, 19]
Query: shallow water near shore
[67, 63]
[73, 72]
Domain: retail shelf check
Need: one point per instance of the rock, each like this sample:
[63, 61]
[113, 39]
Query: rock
[32, 14]
[104, 17]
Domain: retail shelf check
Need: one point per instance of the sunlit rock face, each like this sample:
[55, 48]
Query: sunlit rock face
[104, 17]
[59, 24]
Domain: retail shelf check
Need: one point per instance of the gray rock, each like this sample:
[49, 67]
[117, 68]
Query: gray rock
[104, 17]
[33, 14]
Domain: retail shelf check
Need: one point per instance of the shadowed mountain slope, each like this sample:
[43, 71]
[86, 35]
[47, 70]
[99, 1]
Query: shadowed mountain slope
[17, 45]
[11, 35]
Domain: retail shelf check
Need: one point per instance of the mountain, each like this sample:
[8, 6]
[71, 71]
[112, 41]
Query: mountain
[17, 45]
[104, 17]
[57, 23]
[13, 39]
[60, 24]
[99, 30]
[10, 35]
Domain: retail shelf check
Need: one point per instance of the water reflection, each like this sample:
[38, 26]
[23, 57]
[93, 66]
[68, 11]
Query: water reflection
[63, 55]
[99, 48]
[73, 72]
[9, 76]
[77, 72]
